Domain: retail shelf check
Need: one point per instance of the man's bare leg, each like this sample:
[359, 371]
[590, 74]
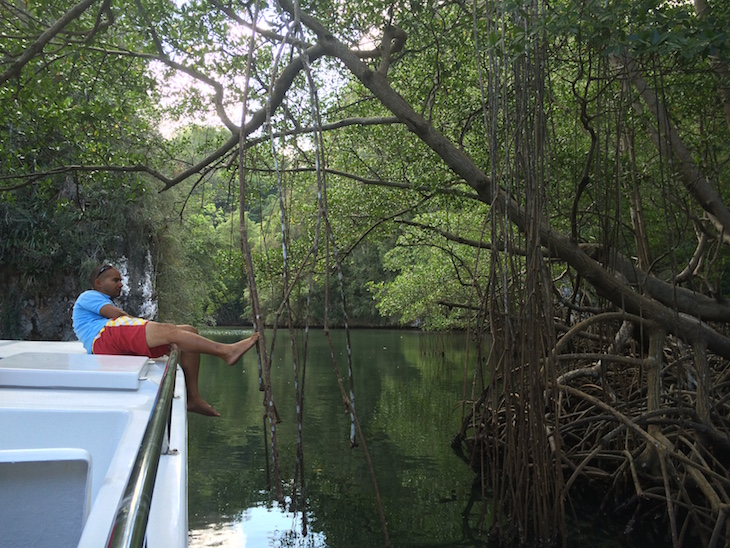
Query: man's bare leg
[187, 338]
[190, 364]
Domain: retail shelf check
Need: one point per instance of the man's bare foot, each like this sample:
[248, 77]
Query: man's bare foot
[240, 348]
[202, 407]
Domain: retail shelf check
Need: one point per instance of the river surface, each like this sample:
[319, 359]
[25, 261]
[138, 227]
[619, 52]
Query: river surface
[408, 389]
[408, 386]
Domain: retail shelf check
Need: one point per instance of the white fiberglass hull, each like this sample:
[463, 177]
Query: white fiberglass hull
[70, 428]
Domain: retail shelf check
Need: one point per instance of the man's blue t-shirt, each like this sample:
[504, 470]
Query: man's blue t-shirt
[87, 320]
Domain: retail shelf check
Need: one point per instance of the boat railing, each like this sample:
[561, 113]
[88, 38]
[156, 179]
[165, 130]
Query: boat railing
[130, 522]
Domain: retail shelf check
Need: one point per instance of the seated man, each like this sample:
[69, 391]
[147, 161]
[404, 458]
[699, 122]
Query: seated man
[105, 329]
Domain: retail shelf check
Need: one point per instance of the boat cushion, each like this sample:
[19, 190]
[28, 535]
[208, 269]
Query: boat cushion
[56, 370]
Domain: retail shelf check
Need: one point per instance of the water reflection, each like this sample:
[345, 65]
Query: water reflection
[257, 526]
[407, 386]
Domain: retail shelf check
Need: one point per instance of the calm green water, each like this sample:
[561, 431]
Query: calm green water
[407, 389]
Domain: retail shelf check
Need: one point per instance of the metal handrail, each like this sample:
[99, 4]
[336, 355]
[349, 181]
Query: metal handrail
[130, 522]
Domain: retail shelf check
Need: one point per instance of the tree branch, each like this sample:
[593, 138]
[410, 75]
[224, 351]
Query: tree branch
[605, 283]
[37, 46]
[345, 122]
[461, 240]
[671, 295]
[667, 140]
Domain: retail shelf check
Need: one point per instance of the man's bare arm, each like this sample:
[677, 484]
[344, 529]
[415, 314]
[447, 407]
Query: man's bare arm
[111, 311]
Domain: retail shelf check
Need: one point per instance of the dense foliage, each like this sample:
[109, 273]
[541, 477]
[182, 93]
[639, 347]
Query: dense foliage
[510, 167]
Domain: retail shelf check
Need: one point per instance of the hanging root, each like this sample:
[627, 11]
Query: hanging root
[645, 439]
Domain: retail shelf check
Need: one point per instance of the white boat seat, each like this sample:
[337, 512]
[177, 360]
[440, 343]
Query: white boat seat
[45, 496]
[91, 371]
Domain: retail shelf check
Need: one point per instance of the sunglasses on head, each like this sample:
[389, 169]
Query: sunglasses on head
[104, 269]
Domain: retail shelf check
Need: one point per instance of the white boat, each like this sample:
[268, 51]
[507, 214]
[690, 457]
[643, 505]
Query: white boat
[79, 438]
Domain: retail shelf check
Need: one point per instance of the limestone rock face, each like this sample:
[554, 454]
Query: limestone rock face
[37, 312]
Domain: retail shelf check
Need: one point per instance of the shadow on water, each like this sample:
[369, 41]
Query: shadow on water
[407, 389]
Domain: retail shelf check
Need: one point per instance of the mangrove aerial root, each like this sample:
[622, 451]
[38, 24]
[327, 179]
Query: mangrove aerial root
[641, 427]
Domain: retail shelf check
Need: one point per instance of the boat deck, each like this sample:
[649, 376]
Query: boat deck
[71, 425]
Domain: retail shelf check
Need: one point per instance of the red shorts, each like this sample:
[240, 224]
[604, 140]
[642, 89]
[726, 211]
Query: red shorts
[127, 340]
